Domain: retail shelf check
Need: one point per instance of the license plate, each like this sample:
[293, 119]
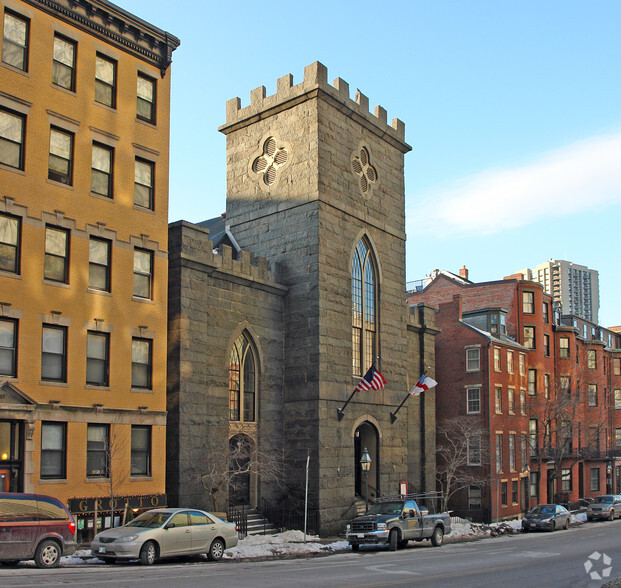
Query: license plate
[102, 550]
[360, 535]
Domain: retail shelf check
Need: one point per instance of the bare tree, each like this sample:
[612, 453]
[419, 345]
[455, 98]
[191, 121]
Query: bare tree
[462, 452]
[226, 466]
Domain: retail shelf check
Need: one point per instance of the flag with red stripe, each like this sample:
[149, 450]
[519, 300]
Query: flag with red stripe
[371, 380]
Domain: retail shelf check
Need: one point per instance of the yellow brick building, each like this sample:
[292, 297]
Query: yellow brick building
[84, 131]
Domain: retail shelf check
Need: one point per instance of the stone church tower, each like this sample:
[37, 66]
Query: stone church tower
[315, 188]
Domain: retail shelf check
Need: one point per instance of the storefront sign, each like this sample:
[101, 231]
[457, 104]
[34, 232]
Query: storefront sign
[105, 503]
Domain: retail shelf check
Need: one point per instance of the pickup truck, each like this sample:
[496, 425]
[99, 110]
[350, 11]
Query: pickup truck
[395, 520]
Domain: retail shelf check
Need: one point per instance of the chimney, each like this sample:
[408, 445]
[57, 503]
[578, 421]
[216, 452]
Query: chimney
[463, 273]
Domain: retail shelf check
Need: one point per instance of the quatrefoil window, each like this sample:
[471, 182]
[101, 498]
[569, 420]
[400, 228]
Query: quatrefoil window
[366, 173]
[267, 164]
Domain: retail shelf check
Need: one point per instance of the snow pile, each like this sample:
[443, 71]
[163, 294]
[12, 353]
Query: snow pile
[282, 544]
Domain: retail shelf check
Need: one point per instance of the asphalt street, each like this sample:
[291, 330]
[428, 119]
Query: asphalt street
[584, 556]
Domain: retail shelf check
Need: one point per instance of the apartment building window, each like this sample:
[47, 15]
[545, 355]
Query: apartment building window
[616, 366]
[546, 385]
[618, 438]
[474, 498]
[10, 243]
[617, 397]
[528, 302]
[546, 313]
[143, 183]
[522, 401]
[498, 399]
[97, 358]
[15, 40]
[594, 437]
[143, 273]
[105, 80]
[497, 364]
[503, 493]
[60, 168]
[594, 479]
[565, 385]
[98, 451]
[8, 347]
[141, 450]
[145, 107]
[522, 364]
[563, 347]
[54, 353]
[99, 251]
[566, 481]
[64, 60]
[474, 450]
[56, 265]
[512, 452]
[473, 400]
[533, 484]
[12, 127]
[532, 382]
[546, 345]
[511, 400]
[53, 450]
[532, 437]
[591, 359]
[510, 362]
[524, 451]
[529, 337]
[498, 452]
[473, 359]
[514, 491]
[102, 165]
[142, 363]
[592, 394]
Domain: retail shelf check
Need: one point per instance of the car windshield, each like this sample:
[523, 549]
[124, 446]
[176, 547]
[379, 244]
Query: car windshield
[605, 499]
[150, 520]
[545, 510]
[386, 508]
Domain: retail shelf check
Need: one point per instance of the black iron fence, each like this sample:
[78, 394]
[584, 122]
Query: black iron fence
[239, 516]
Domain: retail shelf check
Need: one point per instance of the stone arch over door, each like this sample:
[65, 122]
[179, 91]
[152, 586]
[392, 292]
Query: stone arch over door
[241, 480]
[366, 436]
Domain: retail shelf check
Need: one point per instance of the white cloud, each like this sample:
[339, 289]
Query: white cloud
[580, 177]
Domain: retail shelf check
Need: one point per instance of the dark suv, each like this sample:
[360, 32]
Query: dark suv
[34, 526]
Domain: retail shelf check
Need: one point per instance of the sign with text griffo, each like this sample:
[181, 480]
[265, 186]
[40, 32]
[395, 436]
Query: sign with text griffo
[105, 503]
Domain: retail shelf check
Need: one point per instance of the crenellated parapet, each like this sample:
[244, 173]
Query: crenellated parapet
[190, 246]
[315, 84]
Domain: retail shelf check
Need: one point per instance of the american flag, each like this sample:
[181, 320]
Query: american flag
[372, 380]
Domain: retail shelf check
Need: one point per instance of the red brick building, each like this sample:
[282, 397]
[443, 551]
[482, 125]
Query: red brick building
[541, 388]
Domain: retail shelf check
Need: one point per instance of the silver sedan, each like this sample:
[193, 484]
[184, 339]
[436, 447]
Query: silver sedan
[166, 532]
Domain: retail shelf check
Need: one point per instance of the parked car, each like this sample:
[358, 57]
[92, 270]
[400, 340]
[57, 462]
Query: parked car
[166, 532]
[606, 506]
[35, 526]
[547, 517]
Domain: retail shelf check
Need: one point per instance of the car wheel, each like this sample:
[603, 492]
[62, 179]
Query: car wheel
[393, 540]
[148, 554]
[437, 537]
[216, 551]
[355, 546]
[47, 554]
[590, 519]
[403, 543]
[611, 515]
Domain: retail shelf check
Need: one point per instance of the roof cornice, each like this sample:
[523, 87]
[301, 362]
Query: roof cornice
[115, 26]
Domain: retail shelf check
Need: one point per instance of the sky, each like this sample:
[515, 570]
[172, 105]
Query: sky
[512, 108]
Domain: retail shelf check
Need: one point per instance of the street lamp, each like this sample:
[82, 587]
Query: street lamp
[365, 464]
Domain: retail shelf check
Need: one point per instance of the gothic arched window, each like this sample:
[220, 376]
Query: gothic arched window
[242, 380]
[363, 306]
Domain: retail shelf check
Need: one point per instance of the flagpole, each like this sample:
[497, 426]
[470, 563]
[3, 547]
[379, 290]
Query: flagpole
[393, 415]
[341, 411]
